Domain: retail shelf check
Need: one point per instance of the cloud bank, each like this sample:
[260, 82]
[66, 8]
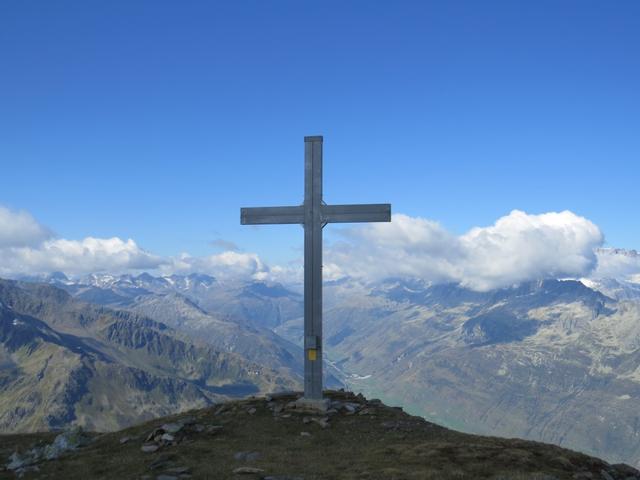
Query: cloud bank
[77, 257]
[618, 264]
[225, 265]
[28, 248]
[516, 248]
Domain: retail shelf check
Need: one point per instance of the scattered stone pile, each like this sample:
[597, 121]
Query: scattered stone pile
[166, 436]
[286, 404]
[21, 463]
[173, 433]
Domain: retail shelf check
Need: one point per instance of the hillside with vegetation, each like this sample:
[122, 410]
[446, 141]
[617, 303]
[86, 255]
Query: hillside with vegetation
[273, 438]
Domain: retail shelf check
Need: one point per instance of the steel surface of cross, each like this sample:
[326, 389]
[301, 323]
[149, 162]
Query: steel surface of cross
[314, 214]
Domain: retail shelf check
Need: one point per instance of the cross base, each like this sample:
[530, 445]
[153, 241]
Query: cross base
[313, 405]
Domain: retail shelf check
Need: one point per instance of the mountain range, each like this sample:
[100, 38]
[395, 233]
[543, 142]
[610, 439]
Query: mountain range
[550, 360]
[66, 361]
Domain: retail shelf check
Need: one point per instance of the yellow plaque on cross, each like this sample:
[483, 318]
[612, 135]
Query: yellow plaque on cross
[312, 354]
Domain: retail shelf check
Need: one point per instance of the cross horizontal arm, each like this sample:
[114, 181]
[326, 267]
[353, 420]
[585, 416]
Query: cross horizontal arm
[268, 215]
[373, 212]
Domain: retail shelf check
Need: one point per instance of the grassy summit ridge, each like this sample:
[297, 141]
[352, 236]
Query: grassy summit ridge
[269, 438]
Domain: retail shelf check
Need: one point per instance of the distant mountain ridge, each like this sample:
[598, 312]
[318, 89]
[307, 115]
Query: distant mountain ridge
[67, 362]
[231, 316]
[268, 304]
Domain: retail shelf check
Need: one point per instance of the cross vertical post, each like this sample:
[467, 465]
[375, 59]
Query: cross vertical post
[314, 214]
[313, 267]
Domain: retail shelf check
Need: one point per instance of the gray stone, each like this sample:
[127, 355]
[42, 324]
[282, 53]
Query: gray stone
[305, 434]
[281, 477]
[351, 407]
[149, 447]
[167, 437]
[178, 470]
[312, 405]
[251, 411]
[17, 461]
[68, 440]
[247, 470]
[606, 475]
[154, 435]
[247, 456]
[166, 477]
[281, 395]
[124, 440]
[172, 427]
[323, 422]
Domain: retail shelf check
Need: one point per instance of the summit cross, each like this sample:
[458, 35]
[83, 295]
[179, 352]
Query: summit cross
[313, 215]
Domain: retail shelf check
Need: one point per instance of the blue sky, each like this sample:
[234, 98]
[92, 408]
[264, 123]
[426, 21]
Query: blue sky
[158, 120]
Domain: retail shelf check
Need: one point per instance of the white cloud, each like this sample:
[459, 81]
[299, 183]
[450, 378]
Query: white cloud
[19, 229]
[407, 246]
[522, 247]
[619, 264]
[27, 247]
[225, 265]
[78, 257]
[518, 247]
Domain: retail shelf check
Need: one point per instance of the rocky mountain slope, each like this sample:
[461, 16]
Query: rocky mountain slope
[272, 438]
[258, 303]
[232, 316]
[68, 362]
[553, 361]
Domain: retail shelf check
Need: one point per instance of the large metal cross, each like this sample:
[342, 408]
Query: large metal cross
[314, 214]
